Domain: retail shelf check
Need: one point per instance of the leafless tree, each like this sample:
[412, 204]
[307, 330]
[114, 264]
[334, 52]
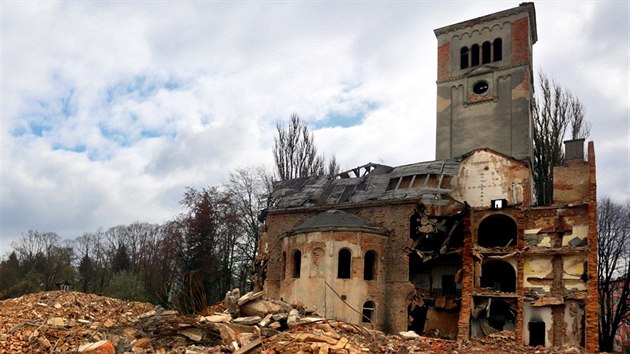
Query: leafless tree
[249, 189]
[554, 109]
[613, 271]
[295, 154]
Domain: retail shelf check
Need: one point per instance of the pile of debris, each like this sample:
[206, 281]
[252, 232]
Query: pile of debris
[75, 322]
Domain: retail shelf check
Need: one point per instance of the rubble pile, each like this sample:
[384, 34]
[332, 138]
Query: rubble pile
[74, 322]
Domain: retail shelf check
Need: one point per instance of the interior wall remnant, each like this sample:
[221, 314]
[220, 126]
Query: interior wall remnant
[441, 323]
[492, 315]
[537, 314]
[497, 231]
[498, 275]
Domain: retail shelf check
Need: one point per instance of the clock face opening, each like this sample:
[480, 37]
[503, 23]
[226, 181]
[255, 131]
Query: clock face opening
[480, 87]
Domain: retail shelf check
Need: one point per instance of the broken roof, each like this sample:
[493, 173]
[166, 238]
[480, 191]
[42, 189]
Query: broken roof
[373, 185]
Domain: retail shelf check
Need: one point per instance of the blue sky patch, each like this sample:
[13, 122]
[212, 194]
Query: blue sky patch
[345, 119]
[139, 87]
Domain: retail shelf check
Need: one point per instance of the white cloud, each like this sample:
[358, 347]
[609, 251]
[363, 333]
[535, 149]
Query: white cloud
[139, 100]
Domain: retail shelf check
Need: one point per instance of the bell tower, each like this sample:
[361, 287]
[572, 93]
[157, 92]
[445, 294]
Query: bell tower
[485, 84]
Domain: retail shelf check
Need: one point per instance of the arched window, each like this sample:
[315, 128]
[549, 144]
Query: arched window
[485, 52]
[497, 231]
[344, 267]
[283, 266]
[368, 312]
[498, 275]
[297, 263]
[463, 57]
[369, 265]
[497, 50]
[474, 55]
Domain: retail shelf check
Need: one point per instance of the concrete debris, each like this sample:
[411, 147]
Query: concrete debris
[92, 324]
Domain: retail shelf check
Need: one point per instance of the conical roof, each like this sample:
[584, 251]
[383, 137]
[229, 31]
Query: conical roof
[336, 220]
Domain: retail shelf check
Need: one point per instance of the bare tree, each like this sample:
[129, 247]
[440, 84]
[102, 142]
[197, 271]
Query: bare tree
[295, 153]
[554, 110]
[249, 189]
[613, 271]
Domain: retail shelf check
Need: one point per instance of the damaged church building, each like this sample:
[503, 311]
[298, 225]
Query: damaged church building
[456, 247]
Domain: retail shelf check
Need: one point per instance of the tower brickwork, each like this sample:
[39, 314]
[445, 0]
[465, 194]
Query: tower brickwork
[485, 86]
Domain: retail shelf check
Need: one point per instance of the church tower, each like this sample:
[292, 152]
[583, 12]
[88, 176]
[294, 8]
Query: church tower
[485, 84]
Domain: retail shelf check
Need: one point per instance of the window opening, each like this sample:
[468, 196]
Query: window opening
[536, 333]
[405, 182]
[368, 312]
[345, 264]
[474, 55]
[283, 266]
[463, 55]
[297, 263]
[497, 231]
[448, 285]
[369, 265]
[480, 87]
[485, 52]
[498, 275]
[497, 50]
[491, 315]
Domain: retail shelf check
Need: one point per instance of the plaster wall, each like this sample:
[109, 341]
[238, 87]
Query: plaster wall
[538, 273]
[484, 176]
[318, 284]
[544, 314]
[571, 182]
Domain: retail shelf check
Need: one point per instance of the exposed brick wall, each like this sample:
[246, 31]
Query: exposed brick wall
[463, 326]
[592, 301]
[444, 61]
[520, 40]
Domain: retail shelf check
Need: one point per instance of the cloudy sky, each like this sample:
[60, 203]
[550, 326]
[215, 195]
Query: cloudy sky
[109, 109]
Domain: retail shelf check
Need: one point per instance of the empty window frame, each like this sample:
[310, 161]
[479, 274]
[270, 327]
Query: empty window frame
[536, 333]
[497, 50]
[474, 55]
[485, 52]
[448, 285]
[498, 275]
[463, 57]
[344, 265]
[367, 315]
[497, 231]
[297, 263]
[369, 265]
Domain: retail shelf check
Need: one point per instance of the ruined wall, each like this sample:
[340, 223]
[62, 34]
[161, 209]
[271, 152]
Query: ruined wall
[486, 175]
[571, 184]
[392, 285]
[318, 284]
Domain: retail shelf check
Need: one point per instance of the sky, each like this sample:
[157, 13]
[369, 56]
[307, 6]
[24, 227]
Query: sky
[110, 109]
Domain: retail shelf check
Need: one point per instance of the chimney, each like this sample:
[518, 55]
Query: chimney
[574, 150]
